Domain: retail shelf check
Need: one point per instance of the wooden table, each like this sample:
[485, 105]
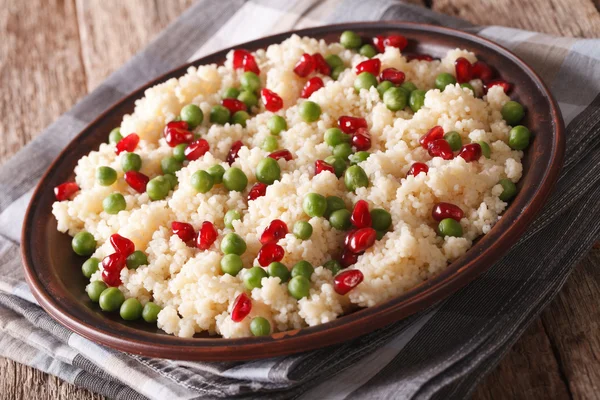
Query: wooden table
[53, 52]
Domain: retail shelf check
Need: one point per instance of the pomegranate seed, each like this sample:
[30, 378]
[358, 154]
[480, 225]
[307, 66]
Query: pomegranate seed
[321, 65]
[463, 69]
[271, 99]
[238, 58]
[482, 71]
[496, 82]
[392, 75]
[373, 66]
[348, 236]
[233, 152]
[311, 86]
[196, 149]
[435, 133]
[233, 105]
[440, 148]
[285, 154]
[348, 258]
[128, 143]
[241, 307]
[345, 281]
[65, 191]
[184, 230]
[136, 180]
[361, 239]
[361, 217]
[121, 244]
[361, 139]
[249, 64]
[206, 235]
[178, 125]
[419, 57]
[417, 168]
[276, 230]
[351, 124]
[470, 152]
[258, 190]
[269, 253]
[305, 66]
[114, 262]
[447, 210]
[378, 43]
[176, 132]
[321, 166]
[112, 278]
[398, 41]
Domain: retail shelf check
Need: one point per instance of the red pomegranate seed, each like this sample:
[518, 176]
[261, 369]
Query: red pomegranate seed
[65, 191]
[112, 278]
[176, 132]
[398, 41]
[351, 124]
[241, 307]
[136, 180]
[463, 69]
[378, 43]
[206, 235]
[348, 258]
[482, 71]
[114, 262]
[419, 57]
[345, 281]
[128, 143]
[435, 133]
[392, 75]
[258, 190]
[233, 105]
[311, 86]
[271, 100]
[417, 168]
[249, 64]
[361, 139]
[361, 239]
[321, 166]
[285, 154]
[373, 66]
[276, 230]
[305, 66]
[470, 152]
[178, 125]
[196, 149]
[361, 217]
[348, 236]
[184, 230]
[321, 65]
[269, 253]
[447, 210]
[121, 244]
[496, 82]
[233, 152]
[440, 148]
[238, 58]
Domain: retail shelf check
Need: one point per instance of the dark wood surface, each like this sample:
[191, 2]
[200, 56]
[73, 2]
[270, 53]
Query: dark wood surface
[42, 76]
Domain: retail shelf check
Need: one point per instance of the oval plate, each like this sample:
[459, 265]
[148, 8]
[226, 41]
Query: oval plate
[52, 269]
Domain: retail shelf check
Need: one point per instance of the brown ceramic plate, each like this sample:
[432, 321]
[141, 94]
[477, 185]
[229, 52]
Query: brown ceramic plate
[52, 269]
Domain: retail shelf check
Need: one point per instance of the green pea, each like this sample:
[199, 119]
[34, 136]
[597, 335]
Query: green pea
[113, 203]
[381, 220]
[365, 80]
[131, 162]
[233, 243]
[111, 299]
[303, 268]
[230, 216]
[335, 136]
[334, 266]
[106, 176]
[192, 114]
[270, 144]
[235, 179]
[350, 40]
[340, 219]
[314, 205]
[115, 136]
[90, 266]
[179, 152]
[380, 234]
[231, 264]
[509, 190]
[338, 164]
[95, 289]
[250, 81]
[268, 171]
[485, 149]
[518, 138]
[240, 118]
[309, 111]
[395, 98]
[367, 50]
[172, 179]
[336, 72]
[444, 79]
[358, 157]
[342, 150]
[231, 93]
[131, 309]
[260, 326]
[334, 203]
[277, 269]
[355, 177]
[216, 171]
[416, 99]
[409, 86]
[334, 61]
[302, 230]
[454, 140]
[219, 115]
[150, 312]
[450, 227]
[248, 98]
[276, 124]
[383, 87]
[299, 287]
[253, 277]
[170, 165]
[158, 188]
[202, 181]
[136, 259]
[512, 112]
[468, 86]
